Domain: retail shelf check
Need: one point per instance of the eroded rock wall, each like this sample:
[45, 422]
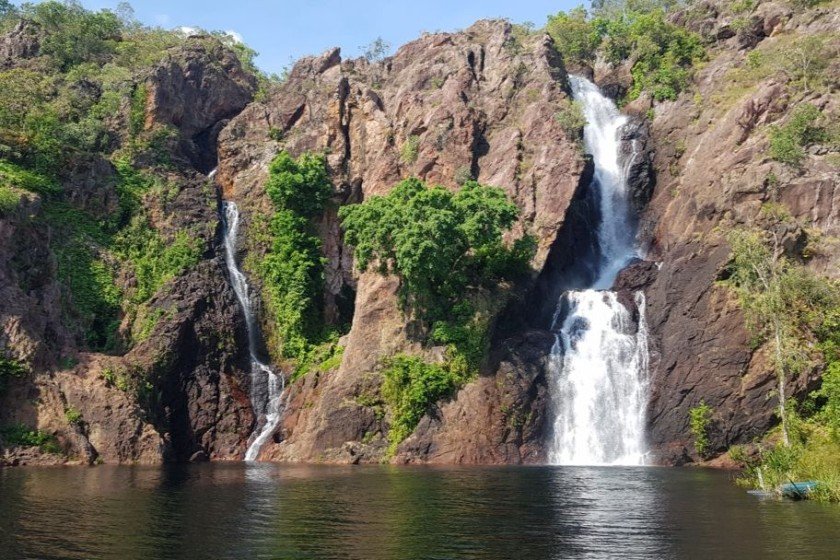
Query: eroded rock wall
[478, 103]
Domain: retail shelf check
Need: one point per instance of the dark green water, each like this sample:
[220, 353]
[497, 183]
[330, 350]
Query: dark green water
[268, 511]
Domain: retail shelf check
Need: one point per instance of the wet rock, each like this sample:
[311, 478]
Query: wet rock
[636, 156]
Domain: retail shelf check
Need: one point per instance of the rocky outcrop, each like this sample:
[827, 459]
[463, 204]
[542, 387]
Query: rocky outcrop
[498, 419]
[179, 391]
[196, 89]
[21, 43]
[713, 172]
[480, 104]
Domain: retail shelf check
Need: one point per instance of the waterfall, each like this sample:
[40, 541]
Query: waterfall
[263, 380]
[598, 365]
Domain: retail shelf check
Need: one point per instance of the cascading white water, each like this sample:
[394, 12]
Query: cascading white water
[599, 361]
[270, 408]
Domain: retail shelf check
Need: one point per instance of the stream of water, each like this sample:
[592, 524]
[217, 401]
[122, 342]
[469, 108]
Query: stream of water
[599, 361]
[266, 386]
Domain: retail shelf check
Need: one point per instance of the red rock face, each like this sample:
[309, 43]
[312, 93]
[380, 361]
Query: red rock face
[478, 103]
[713, 173]
[194, 357]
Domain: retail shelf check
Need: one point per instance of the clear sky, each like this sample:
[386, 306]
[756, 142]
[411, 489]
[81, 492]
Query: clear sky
[284, 30]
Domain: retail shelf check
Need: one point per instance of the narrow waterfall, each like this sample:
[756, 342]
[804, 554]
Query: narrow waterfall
[266, 386]
[598, 366]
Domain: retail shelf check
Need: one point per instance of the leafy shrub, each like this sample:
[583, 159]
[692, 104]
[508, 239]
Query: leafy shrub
[153, 260]
[571, 118]
[830, 392]
[322, 357]
[9, 199]
[575, 36]
[20, 434]
[787, 142]
[137, 113]
[9, 369]
[91, 296]
[438, 242]
[73, 416]
[411, 386]
[292, 270]
[700, 418]
[19, 177]
[410, 150]
[302, 186]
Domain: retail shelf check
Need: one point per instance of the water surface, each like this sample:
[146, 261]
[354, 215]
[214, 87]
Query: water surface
[243, 511]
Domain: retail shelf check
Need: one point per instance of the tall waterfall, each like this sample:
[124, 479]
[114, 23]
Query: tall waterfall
[266, 386]
[598, 366]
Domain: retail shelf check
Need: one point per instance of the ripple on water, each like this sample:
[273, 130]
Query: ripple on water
[268, 511]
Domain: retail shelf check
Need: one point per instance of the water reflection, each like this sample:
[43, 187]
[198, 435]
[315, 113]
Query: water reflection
[269, 511]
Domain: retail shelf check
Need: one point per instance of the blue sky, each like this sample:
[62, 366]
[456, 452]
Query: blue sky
[284, 30]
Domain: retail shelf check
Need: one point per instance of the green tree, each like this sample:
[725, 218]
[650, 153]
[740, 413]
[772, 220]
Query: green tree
[438, 242]
[73, 34]
[293, 269]
[376, 51]
[575, 36]
[784, 303]
[302, 186]
[700, 417]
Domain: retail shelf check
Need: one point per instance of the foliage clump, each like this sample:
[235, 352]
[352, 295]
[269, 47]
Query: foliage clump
[663, 54]
[10, 368]
[292, 270]
[571, 118]
[788, 142]
[441, 244]
[700, 418]
[411, 386]
[575, 36]
[20, 434]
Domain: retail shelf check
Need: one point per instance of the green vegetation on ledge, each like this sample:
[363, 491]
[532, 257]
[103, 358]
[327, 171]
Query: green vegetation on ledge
[293, 268]
[794, 314]
[662, 54]
[699, 418]
[20, 434]
[446, 248]
[410, 387]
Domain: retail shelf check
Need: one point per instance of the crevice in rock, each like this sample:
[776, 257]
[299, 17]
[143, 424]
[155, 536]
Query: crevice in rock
[569, 264]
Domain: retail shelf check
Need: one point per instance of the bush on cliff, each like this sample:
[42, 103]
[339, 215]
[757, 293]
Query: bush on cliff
[442, 245]
[788, 142]
[796, 314]
[410, 387]
[446, 248]
[293, 269]
[663, 54]
[575, 36]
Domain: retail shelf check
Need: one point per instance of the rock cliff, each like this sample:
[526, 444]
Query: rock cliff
[479, 104]
[448, 107]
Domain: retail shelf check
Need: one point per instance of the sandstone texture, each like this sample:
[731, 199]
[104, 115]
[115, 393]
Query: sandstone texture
[481, 104]
[194, 357]
[478, 103]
